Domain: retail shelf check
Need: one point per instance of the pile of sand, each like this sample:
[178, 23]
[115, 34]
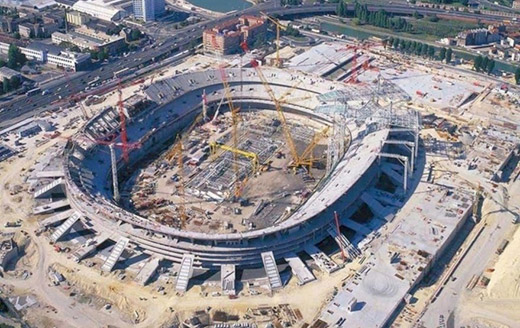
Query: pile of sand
[505, 281]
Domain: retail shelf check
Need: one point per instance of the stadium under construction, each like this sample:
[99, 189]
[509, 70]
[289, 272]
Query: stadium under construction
[348, 131]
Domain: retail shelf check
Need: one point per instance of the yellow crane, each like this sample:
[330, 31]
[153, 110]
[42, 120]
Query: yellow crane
[296, 99]
[235, 119]
[281, 115]
[307, 157]
[176, 153]
[234, 132]
[285, 100]
[278, 28]
[252, 156]
[297, 160]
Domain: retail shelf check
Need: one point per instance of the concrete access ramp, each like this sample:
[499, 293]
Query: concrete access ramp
[115, 254]
[48, 189]
[271, 270]
[65, 227]
[299, 269]
[148, 270]
[227, 279]
[185, 273]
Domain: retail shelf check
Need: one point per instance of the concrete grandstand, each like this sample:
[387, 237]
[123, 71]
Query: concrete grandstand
[173, 104]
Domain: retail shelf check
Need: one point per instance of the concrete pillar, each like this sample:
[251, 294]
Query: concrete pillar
[115, 182]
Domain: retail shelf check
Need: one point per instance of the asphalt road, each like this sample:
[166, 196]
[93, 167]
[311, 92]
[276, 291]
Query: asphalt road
[61, 90]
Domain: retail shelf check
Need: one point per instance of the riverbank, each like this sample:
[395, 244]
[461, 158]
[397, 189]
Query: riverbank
[334, 25]
[217, 8]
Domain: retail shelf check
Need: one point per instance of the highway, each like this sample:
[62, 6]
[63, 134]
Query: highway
[179, 40]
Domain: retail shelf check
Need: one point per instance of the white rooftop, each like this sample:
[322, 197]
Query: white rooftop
[321, 59]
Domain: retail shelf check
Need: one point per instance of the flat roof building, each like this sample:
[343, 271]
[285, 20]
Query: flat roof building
[7, 73]
[225, 38]
[99, 10]
[86, 38]
[51, 54]
[77, 18]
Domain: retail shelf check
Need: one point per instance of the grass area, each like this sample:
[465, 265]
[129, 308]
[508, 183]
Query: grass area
[296, 38]
[508, 3]
[454, 3]
[431, 31]
[442, 28]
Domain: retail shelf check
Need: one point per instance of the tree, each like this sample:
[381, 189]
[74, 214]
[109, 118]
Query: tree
[477, 63]
[15, 82]
[395, 44]
[424, 49]
[292, 31]
[442, 54]
[260, 41]
[484, 63]
[490, 66]
[104, 54]
[15, 58]
[6, 85]
[433, 19]
[431, 51]
[135, 34]
[2, 63]
[341, 9]
[449, 53]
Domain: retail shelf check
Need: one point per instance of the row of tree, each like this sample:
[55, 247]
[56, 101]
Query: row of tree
[419, 49]
[290, 2]
[484, 64]
[291, 31]
[15, 58]
[379, 18]
[100, 55]
[10, 84]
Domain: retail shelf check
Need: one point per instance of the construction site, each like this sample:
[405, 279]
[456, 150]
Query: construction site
[336, 184]
[263, 165]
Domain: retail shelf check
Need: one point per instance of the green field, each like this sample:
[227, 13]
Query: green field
[441, 29]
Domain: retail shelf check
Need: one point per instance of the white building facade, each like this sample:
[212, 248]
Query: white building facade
[148, 10]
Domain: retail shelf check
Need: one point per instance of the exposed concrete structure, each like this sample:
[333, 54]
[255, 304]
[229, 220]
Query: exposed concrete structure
[8, 250]
[185, 273]
[273, 276]
[115, 254]
[65, 227]
[84, 156]
[301, 271]
[227, 279]
[148, 270]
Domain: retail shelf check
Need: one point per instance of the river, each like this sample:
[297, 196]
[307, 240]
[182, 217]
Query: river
[222, 6]
[365, 34]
